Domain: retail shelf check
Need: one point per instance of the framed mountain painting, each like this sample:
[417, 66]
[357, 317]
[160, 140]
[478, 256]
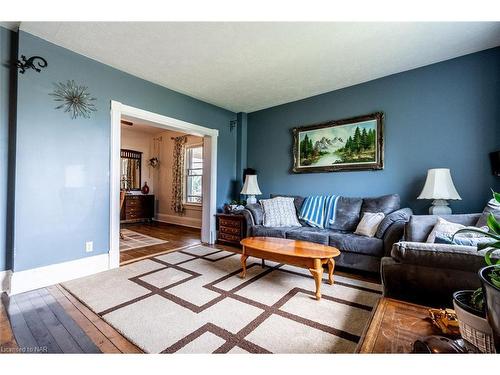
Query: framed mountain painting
[342, 145]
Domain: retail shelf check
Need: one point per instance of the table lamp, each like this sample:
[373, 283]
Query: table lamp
[251, 188]
[439, 187]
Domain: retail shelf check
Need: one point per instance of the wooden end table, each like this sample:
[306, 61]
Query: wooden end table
[232, 228]
[293, 252]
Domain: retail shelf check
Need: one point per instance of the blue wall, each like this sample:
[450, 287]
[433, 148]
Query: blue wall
[5, 46]
[444, 115]
[441, 115]
[53, 216]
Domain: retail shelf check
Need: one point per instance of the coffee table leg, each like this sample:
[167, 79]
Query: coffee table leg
[331, 267]
[244, 265]
[317, 273]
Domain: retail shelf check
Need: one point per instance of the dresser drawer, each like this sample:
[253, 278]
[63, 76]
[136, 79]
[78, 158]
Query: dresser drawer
[137, 207]
[230, 223]
[133, 203]
[230, 230]
[131, 216]
[133, 210]
[229, 237]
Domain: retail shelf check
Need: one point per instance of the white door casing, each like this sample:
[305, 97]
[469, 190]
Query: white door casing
[209, 171]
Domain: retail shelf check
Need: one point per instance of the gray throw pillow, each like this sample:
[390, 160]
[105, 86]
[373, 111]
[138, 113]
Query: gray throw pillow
[347, 214]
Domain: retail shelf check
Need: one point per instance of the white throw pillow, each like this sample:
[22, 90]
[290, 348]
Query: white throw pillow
[443, 228]
[369, 223]
[279, 212]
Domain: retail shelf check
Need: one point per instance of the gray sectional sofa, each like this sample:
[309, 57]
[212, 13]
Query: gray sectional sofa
[357, 252]
[429, 273]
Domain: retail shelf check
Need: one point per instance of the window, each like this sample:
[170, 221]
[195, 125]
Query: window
[194, 174]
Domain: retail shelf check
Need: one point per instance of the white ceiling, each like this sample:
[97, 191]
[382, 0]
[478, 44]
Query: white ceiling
[250, 66]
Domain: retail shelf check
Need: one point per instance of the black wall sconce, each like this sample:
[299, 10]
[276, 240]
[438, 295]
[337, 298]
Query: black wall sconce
[26, 64]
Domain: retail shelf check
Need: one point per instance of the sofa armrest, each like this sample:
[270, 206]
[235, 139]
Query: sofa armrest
[393, 234]
[257, 213]
[465, 258]
[249, 221]
[401, 215]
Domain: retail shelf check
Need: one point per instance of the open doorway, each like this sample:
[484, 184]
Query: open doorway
[162, 184]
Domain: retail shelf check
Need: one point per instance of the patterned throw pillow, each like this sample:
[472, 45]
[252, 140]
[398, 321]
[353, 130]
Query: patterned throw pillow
[443, 228]
[279, 212]
[369, 223]
[461, 240]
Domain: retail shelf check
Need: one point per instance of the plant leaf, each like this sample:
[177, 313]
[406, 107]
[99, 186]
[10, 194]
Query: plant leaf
[493, 223]
[488, 260]
[496, 196]
[485, 245]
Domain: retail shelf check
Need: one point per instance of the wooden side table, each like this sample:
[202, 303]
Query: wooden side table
[394, 327]
[232, 228]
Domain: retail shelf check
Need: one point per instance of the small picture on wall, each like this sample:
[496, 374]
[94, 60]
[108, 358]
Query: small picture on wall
[342, 145]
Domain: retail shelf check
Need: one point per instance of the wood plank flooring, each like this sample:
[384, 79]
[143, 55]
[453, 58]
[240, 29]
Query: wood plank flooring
[176, 235]
[8, 343]
[41, 325]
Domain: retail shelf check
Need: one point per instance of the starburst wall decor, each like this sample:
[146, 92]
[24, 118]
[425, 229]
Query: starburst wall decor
[74, 99]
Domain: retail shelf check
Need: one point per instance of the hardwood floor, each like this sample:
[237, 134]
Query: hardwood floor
[8, 343]
[176, 235]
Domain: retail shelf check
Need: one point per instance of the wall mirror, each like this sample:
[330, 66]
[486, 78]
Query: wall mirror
[130, 170]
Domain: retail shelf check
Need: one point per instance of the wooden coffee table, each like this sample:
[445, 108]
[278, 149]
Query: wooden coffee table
[303, 254]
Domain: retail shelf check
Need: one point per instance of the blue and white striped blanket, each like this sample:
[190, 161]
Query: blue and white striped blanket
[319, 210]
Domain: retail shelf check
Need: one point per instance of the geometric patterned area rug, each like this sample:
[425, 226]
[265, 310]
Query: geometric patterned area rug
[193, 301]
[133, 240]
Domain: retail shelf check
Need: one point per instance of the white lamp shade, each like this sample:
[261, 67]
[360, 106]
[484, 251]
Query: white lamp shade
[439, 185]
[251, 187]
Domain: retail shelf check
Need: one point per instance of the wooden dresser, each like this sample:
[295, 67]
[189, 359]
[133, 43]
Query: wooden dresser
[232, 228]
[138, 207]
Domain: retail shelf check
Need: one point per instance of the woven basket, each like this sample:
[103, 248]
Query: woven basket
[475, 330]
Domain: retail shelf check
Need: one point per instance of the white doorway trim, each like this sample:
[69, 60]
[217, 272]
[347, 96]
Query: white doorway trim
[209, 171]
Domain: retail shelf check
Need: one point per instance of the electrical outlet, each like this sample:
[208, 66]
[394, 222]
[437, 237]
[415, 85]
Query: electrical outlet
[89, 246]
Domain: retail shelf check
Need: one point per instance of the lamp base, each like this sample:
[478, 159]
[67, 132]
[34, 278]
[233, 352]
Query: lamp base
[439, 207]
[251, 199]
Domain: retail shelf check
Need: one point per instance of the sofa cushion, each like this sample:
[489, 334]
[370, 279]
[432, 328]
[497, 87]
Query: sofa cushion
[385, 204]
[347, 214]
[310, 234]
[357, 244]
[262, 231]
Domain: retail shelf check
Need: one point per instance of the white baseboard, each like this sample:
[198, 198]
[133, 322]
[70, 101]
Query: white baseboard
[179, 220]
[5, 280]
[23, 281]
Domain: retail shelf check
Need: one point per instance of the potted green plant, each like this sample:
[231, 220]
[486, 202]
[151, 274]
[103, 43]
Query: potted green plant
[490, 275]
